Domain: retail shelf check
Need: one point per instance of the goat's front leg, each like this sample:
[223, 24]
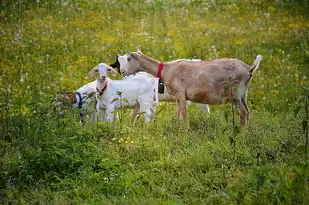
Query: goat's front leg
[102, 114]
[177, 109]
[109, 113]
[97, 111]
[181, 106]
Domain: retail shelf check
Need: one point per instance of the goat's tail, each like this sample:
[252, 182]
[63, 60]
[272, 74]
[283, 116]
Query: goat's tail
[256, 64]
[253, 68]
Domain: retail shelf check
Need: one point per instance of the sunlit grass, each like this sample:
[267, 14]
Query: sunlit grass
[50, 46]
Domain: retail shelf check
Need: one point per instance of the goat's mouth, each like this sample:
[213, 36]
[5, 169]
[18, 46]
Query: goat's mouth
[124, 73]
[102, 80]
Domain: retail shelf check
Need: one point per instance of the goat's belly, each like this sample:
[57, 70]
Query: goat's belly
[204, 96]
[124, 103]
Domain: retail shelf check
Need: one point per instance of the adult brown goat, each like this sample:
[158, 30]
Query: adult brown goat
[211, 82]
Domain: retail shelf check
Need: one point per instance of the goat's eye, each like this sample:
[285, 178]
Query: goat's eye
[129, 59]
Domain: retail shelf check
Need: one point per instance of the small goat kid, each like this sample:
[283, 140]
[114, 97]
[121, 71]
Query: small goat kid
[82, 98]
[136, 92]
[214, 81]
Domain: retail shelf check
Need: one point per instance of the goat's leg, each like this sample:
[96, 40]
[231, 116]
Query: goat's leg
[134, 113]
[242, 98]
[82, 118]
[110, 114]
[146, 109]
[245, 104]
[101, 116]
[97, 111]
[181, 99]
[243, 114]
[177, 109]
[91, 117]
[183, 109]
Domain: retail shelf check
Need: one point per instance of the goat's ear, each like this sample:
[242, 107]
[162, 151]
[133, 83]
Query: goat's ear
[139, 51]
[92, 71]
[134, 55]
[112, 71]
[116, 64]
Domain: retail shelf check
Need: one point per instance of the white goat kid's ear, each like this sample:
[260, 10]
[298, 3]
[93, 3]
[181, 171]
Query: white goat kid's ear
[92, 71]
[112, 71]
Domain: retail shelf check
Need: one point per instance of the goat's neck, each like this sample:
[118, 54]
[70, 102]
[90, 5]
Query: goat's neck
[101, 85]
[149, 65]
[77, 100]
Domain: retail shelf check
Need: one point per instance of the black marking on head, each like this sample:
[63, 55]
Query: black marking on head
[116, 65]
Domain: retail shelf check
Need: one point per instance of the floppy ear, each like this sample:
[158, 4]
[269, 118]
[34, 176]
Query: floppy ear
[112, 71]
[92, 71]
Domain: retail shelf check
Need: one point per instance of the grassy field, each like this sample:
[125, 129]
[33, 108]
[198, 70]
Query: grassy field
[47, 158]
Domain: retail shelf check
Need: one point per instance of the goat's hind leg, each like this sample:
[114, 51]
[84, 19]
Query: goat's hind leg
[147, 110]
[243, 114]
[245, 104]
[134, 113]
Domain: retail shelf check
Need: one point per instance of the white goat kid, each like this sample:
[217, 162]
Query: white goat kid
[136, 92]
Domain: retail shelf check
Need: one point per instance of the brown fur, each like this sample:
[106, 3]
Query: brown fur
[207, 82]
[69, 98]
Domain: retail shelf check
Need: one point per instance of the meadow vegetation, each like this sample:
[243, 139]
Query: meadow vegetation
[48, 158]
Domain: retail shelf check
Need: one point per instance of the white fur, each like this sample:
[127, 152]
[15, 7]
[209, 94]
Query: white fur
[133, 92]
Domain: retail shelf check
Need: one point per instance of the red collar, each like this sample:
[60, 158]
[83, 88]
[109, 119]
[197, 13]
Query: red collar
[160, 68]
[102, 91]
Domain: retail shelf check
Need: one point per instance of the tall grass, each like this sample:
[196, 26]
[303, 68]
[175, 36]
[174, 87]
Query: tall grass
[47, 158]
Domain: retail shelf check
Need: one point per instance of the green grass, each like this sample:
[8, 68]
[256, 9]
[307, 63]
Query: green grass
[51, 159]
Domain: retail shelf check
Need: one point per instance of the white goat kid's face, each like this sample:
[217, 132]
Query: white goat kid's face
[103, 70]
[128, 64]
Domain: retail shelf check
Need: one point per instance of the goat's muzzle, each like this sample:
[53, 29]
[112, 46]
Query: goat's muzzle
[102, 79]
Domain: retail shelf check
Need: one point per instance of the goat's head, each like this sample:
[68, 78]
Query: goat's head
[65, 98]
[102, 69]
[129, 63]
